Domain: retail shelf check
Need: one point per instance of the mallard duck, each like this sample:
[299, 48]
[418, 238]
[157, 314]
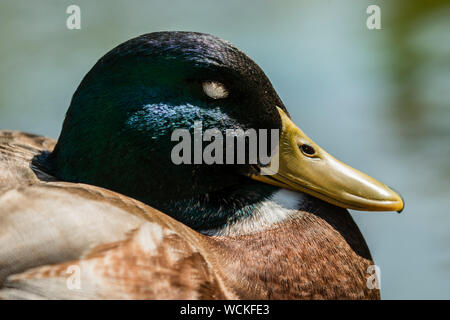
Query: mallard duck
[104, 213]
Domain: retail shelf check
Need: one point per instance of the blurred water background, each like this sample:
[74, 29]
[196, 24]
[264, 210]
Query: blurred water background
[378, 100]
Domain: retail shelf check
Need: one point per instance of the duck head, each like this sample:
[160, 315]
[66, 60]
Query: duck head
[118, 133]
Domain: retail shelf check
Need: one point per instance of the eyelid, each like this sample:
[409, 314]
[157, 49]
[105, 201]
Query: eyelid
[215, 89]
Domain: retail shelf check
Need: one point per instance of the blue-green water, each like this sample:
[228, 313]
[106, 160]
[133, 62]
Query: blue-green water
[378, 100]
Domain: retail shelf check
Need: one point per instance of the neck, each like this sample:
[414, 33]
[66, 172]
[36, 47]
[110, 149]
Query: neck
[237, 210]
[243, 208]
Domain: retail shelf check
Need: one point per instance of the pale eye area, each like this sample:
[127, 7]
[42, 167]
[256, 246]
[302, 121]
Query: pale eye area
[215, 90]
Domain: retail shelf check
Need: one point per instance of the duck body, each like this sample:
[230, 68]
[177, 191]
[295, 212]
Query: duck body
[105, 212]
[132, 251]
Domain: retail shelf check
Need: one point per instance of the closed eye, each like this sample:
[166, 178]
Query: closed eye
[215, 89]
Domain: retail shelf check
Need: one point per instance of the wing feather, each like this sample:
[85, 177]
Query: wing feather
[114, 246]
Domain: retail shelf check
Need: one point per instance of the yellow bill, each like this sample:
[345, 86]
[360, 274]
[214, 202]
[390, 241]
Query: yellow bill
[304, 166]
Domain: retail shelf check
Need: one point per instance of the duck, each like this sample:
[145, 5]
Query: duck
[105, 213]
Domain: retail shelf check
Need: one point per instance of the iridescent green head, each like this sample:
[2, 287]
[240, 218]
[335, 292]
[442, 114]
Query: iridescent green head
[117, 133]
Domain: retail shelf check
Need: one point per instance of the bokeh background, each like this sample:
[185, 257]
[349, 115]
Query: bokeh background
[377, 99]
